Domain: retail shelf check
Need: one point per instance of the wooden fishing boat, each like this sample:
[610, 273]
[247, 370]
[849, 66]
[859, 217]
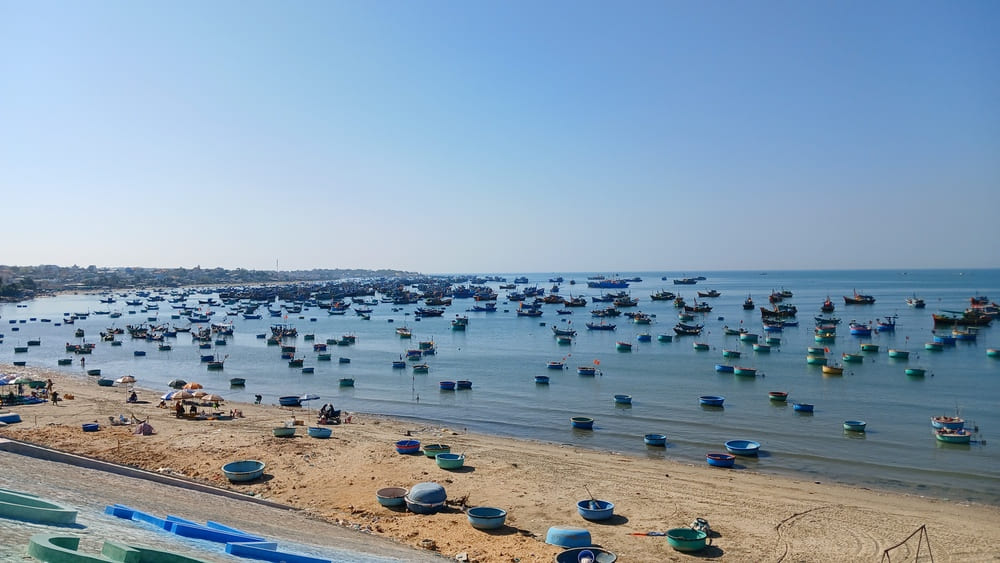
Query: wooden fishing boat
[779, 396]
[953, 436]
[555, 365]
[858, 299]
[900, 354]
[296, 362]
[688, 330]
[915, 302]
[815, 360]
[421, 368]
[745, 371]
[827, 306]
[916, 372]
[237, 381]
[600, 326]
[948, 422]
[833, 369]
[748, 304]
[860, 329]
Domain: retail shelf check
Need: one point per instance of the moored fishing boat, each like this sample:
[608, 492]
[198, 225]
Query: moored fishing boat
[858, 299]
[899, 354]
[582, 422]
[953, 436]
[933, 346]
[711, 400]
[743, 447]
[586, 370]
[868, 347]
[724, 368]
[748, 337]
[803, 407]
[665, 337]
[623, 346]
[855, 425]
[834, 369]
[542, 379]
[556, 365]
[815, 360]
[947, 422]
[745, 371]
[720, 459]
[778, 396]
[816, 350]
[748, 304]
[421, 368]
[827, 306]
[915, 302]
[730, 353]
[761, 348]
[993, 352]
[852, 357]
[655, 439]
[623, 399]
[916, 372]
[702, 346]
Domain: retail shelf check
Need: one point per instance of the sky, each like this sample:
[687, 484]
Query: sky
[514, 136]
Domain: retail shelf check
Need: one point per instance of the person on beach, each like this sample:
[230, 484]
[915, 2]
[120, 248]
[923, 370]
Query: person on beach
[48, 385]
[179, 409]
[55, 398]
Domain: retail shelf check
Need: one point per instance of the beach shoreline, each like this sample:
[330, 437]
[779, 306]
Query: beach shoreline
[757, 516]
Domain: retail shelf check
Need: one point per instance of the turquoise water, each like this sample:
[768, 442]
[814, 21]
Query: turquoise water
[501, 353]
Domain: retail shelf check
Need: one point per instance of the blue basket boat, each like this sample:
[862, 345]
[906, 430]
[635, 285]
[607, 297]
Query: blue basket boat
[743, 447]
[720, 459]
[724, 368]
[687, 539]
[244, 470]
[463, 384]
[593, 509]
[408, 446]
[447, 385]
[623, 399]
[542, 379]
[655, 440]
[803, 407]
[391, 496]
[486, 517]
[426, 498]
[711, 400]
[290, 401]
[450, 460]
[91, 427]
[583, 422]
[855, 425]
[589, 553]
[319, 432]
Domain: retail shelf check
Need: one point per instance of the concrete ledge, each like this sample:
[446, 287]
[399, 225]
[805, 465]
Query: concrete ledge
[48, 454]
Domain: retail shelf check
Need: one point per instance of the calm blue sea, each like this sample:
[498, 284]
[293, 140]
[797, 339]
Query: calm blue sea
[501, 353]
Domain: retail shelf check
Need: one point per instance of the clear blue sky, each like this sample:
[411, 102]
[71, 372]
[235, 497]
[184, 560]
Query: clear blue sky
[501, 136]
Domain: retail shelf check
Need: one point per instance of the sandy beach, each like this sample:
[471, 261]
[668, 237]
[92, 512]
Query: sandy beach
[755, 517]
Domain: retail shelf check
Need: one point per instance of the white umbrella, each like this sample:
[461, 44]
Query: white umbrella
[200, 393]
[125, 379]
[212, 398]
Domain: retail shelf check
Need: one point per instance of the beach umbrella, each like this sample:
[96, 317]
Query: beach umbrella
[125, 379]
[169, 396]
[23, 379]
[176, 383]
[199, 394]
[181, 395]
[193, 385]
[212, 398]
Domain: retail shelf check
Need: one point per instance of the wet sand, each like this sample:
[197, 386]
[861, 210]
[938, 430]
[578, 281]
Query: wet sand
[756, 517]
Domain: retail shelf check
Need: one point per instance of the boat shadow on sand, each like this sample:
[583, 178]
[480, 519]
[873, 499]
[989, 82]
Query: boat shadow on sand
[615, 520]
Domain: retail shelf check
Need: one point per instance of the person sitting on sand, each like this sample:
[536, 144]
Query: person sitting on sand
[162, 405]
[179, 409]
[133, 398]
[193, 409]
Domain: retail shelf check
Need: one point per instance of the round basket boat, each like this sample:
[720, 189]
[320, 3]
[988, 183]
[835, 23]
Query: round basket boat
[391, 496]
[432, 450]
[486, 517]
[408, 446]
[655, 440]
[593, 509]
[283, 431]
[711, 400]
[91, 427]
[855, 425]
[743, 447]
[623, 399]
[319, 432]
[426, 498]
[720, 459]
[596, 554]
[244, 470]
[584, 422]
[450, 460]
[686, 539]
[803, 407]
[780, 396]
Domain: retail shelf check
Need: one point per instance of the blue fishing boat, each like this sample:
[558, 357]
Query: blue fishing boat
[724, 368]
[446, 385]
[586, 370]
[948, 422]
[556, 365]
[623, 399]
[711, 400]
[398, 364]
[463, 384]
[582, 422]
[542, 379]
[290, 401]
[408, 446]
[803, 407]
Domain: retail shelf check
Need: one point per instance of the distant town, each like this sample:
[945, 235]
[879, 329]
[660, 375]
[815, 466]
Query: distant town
[25, 282]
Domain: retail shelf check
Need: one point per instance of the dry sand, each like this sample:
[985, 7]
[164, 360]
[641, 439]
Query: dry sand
[756, 517]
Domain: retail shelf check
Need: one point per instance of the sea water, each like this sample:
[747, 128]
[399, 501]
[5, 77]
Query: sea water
[501, 353]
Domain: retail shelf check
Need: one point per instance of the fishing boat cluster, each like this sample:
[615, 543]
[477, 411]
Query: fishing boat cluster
[209, 316]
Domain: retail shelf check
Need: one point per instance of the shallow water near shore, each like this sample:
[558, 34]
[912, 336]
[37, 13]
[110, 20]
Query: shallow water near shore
[501, 353]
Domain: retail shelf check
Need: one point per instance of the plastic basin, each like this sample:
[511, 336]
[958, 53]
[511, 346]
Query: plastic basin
[686, 539]
[593, 509]
[486, 517]
[244, 470]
